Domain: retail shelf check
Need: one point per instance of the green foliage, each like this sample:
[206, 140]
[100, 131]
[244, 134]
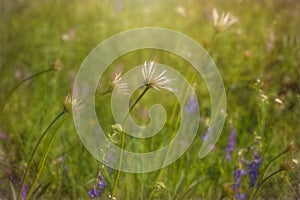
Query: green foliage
[263, 45]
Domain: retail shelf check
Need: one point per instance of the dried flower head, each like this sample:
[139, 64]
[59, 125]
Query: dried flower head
[69, 103]
[226, 20]
[57, 65]
[121, 88]
[158, 82]
[292, 146]
[289, 164]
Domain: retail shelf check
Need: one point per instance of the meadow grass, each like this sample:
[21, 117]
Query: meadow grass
[258, 58]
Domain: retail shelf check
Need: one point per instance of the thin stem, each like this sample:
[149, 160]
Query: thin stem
[42, 161]
[123, 139]
[35, 149]
[19, 84]
[138, 99]
[212, 41]
[267, 178]
[168, 150]
[273, 159]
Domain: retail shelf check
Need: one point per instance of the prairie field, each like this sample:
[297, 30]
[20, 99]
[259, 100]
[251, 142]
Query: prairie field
[255, 47]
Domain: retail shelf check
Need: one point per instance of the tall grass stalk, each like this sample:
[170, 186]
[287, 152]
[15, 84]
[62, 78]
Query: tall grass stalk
[123, 138]
[35, 149]
[43, 160]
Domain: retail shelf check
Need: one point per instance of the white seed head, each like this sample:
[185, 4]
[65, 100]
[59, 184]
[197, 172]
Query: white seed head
[223, 22]
[121, 88]
[157, 82]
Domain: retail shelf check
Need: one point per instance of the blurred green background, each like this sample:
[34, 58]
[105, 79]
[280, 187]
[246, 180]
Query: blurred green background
[264, 44]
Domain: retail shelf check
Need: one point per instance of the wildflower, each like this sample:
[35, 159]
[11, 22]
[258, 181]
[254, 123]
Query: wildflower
[230, 145]
[121, 88]
[68, 103]
[158, 82]
[237, 175]
[24, 192]
[192, 104]
[253, 168]
[277, 100]
[101, 183]
[287, 165]
[96, 190]
[226, 20]
[205, 136]
[94, 193]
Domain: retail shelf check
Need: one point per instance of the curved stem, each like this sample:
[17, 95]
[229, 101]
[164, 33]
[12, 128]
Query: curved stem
[267, 178]
[212, 41]
[272, 160]
[177, 121]
[42, 161]
[18, 85]
[123, 139]
[35, 149]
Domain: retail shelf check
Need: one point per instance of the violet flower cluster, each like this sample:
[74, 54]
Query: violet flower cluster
[96, 190]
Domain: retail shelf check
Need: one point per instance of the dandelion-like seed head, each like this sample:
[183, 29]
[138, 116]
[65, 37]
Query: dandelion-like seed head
[157, 82]
[121, 88]
[69, 103]
[223, 22]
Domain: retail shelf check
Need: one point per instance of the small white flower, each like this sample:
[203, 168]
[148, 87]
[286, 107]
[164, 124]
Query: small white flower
[157, 82]
[277, 100]
[121, 88]
[224, 22]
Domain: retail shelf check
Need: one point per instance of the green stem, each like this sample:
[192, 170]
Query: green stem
[123, 139]
[266, 168]
[168, 150]
[18, 85]
[35, 149]
[267, 178]
[212, 41]
[42, 162]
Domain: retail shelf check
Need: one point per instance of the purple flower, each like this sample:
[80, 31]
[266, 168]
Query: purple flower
[191, 104]
[253, 168]
[24, 192]
[237, 175]
[205, 136]
[101, 183]
[3, 136]
[96, 190]
[94, 193]
[230, 145]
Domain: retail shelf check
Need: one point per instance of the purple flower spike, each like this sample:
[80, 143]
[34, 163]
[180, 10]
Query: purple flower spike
[24, 192]
[230, 145]
[94, 193]
[253, 168]
[191, 105]
[237, 175]
[101, 183]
